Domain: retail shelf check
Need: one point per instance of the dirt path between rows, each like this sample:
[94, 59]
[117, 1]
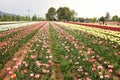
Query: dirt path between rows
[56, 71]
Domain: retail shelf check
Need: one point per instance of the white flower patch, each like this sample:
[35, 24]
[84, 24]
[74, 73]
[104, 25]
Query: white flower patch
[16, 25]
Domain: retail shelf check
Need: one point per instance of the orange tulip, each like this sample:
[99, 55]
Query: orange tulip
[13, 76]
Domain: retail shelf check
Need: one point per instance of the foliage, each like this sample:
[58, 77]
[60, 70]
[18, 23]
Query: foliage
[107, 17]
[61, 14]
[115, 18]
[102, 19]
[51, 13]
[19, 18]
[65, 14]
[34, 18]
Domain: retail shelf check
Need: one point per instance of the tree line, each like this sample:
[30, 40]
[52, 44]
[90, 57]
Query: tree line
[108, 18]
[60, 14]
[66, 14]
[20, 18]
[103, 19]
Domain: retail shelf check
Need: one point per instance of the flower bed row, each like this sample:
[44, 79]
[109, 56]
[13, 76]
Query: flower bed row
[105, 51]
[37, 62]
[106, 34]
[76, 60]
[12, 26]
[9, 47]
[14, 30]
[97, 26]
[8, 35]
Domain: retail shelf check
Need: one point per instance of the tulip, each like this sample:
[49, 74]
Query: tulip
[13, 76]
[100, 67]
[15, 67]
[47, 65]
[70, 60]
[38, 63]
[76, 63]
[50, 61]
[88, 78]
[110, 70]
[94, 69]
[86, 73]
[110, 66]
[37, 76]
[44, 71]
[31, 75]
[50, 57]
[66, 57]
[8, 68]
[25, 70]
[10, 72]
[101, 77]
[107, 76]
[48, 71]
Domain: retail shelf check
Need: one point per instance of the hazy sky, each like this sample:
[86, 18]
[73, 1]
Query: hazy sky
[84, 8]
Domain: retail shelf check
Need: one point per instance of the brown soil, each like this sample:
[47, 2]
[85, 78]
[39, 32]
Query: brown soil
[116, 78]
[56, 72]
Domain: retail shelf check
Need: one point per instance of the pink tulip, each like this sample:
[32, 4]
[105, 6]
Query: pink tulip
[88, 78]
[110, 70]
[15, 67]
[10, 72]
[94, 69]
[49, 50]
[8, 68]
[100, 67]
[37, 76]
[38, 63]
[88, 52]
[47, 65]
[66, 57]
[107, 76]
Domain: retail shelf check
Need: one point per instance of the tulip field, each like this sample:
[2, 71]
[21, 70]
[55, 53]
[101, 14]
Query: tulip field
[59, 51]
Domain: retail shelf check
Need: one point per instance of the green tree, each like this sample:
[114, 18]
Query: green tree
[4, 18]
[41, 19]
[0, 17]
[102, 19]
[64, 13]
[18, 17]
[51, 14]
[118, 19]
[94, 19]
[73, 15]
[107, 17]
[13, 18]
[115, 18]
[81, 19]
[67, 13]
[60, 13]
[34, 18]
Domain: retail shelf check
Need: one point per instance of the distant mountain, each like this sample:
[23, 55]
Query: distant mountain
[4, 13]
